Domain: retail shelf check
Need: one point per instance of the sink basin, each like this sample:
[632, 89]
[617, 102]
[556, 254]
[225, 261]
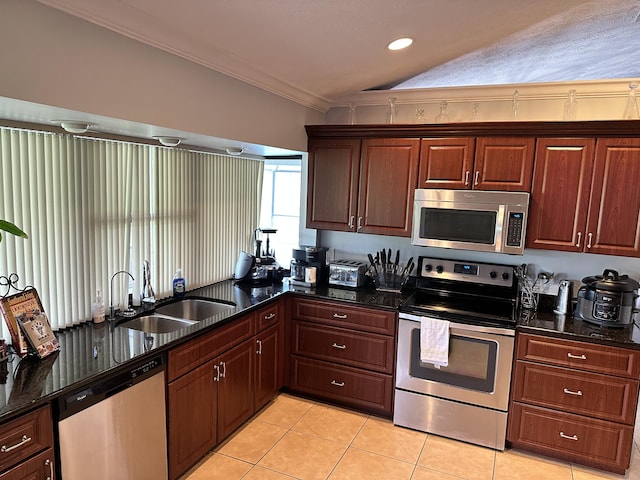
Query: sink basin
[193, 309]
[155, 323]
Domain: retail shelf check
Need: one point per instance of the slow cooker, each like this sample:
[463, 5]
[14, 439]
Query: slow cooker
[607, 300]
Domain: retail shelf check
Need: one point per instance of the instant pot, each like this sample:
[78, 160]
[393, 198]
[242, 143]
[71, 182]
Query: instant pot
[607, 300]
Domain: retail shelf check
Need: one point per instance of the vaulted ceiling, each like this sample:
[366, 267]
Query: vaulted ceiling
[314, 52]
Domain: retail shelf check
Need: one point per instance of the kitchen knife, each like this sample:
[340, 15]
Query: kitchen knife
[395, 264]
[406, 266]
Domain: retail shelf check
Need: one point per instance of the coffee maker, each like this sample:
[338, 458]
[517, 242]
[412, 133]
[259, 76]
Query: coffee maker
[309, 266]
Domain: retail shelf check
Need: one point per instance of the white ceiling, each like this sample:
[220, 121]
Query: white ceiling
[316, 51]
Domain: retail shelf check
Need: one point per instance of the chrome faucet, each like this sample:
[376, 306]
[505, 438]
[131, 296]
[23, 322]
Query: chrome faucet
[148, 295]
[112, 309]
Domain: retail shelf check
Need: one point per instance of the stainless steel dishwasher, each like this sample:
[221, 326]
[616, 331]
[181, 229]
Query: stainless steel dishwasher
[116, 428]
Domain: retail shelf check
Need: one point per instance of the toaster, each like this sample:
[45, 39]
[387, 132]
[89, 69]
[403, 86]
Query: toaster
[347, 273]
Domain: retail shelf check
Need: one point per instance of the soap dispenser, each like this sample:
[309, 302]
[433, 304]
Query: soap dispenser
[179, 284]
[97, 309]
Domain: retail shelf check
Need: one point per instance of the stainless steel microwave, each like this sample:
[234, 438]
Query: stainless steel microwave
[483, 221]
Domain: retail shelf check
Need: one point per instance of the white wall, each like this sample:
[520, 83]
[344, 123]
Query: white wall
[51, 58]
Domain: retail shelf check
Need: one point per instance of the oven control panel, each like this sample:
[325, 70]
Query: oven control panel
[460, 270]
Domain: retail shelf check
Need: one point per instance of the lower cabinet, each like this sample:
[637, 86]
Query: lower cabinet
[574, 400]
[26, 451]
[343, 353]
[218, 381]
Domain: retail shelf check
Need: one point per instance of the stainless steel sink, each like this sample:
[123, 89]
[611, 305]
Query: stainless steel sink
[193, 309]
[154, 323]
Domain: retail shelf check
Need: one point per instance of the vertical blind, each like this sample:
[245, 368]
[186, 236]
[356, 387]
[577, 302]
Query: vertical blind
[94, 207]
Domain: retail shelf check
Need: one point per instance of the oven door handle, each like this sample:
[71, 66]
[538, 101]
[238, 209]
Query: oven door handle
[509, 332]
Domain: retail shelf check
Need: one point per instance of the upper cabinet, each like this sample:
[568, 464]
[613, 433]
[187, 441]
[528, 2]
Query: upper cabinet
[585, 196]
[362, 186]
[485, 163]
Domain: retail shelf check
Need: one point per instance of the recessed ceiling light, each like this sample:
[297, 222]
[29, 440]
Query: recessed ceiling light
[400, 43]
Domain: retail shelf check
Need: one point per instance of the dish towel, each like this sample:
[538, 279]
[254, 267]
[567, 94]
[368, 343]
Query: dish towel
[434, 341]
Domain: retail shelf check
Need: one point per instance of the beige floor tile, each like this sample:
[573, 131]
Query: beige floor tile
[260, 473]
[358, 464]
[382, 437]
[331, 423]
[285, 411]
[457, 458]
[220, 467]
[422, 473]
[517, 465]
[304, 456]
[253, 441]
[581, 472]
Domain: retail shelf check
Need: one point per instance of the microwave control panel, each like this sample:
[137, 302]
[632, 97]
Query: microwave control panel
[514, 229]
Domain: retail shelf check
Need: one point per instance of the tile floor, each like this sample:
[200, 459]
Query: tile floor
[294, 438]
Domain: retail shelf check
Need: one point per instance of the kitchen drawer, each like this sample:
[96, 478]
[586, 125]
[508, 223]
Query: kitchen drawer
[571, 437]
[25, 436]
[267, 316]
[188, 356]
[358, 349]
[585, 356]
[39, 467]
[600, 396]
[341, 315]
[360, 389]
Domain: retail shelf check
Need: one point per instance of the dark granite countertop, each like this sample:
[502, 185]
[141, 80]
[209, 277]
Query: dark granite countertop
[91, 351]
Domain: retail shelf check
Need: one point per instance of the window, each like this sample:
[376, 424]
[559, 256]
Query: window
[280, 207]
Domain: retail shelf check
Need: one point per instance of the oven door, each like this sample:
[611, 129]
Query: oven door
[479, 369]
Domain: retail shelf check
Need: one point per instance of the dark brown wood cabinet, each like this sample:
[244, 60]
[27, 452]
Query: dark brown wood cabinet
[343, 353]
[27, 447]
[362, 186]
[485, 163]
[218, 381]
[574, 400]
[584, 197]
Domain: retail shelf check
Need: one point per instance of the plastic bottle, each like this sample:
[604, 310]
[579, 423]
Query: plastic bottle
[97, 309]
[179, 284]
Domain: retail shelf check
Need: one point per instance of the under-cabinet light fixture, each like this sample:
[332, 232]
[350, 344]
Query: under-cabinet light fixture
[235, 150]
[73, 126]
[169, 141]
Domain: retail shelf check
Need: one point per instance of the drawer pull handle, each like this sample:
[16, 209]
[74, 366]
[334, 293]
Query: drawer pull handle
[216, 377]
[337, 384]
[270, 316]
[259, 351]
[223, 373]
[22, 441]
[337, 315]
[577, 357]
[49, 464]
[341, 347]
[569, 392]
[569, 437]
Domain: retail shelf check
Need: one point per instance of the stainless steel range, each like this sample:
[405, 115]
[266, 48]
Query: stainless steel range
[468, 398]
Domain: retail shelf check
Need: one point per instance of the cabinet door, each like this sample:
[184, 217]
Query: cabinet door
[446, 162]
[503, 163]
[388, 175]
[235, 388]
[614, 208]
[332, 198]
[268, 374]
[191, 418]
[560, 193]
